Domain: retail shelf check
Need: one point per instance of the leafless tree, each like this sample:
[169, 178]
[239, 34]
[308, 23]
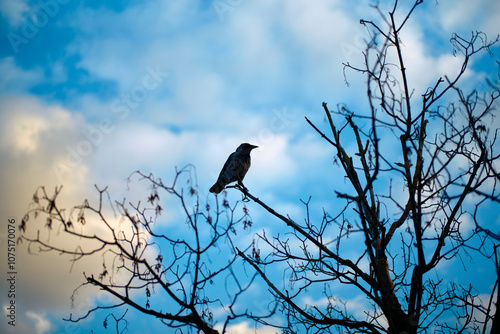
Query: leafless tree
[162, 272]
[423, 165]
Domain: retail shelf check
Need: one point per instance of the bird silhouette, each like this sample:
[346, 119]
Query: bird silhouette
[235, 168]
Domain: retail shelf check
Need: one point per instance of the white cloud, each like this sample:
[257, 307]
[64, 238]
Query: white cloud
[27, 126]
[33, 132]
[272, 162]
[464, 16]
[133, 31]
[34, 135]
[307, 22]
[42, 325]
[246, 327]
[219, 63]
[14, 11]
[16, 80]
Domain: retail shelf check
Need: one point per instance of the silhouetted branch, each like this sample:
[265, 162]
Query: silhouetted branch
[158, 273]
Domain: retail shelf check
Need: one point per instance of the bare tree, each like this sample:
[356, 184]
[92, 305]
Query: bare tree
[146, 266]
[409, 202]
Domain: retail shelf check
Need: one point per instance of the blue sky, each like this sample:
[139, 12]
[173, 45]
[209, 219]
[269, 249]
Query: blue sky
[92, 91]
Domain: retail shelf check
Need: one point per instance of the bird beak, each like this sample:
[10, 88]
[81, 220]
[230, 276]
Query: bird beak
[254, 146]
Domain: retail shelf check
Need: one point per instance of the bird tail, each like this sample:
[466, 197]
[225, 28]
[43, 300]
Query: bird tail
[216, 188]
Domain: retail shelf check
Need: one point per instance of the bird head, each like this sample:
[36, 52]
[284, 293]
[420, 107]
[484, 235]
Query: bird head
[245, 147]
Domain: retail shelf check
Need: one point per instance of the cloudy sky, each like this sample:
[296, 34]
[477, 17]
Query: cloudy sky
[91, 91]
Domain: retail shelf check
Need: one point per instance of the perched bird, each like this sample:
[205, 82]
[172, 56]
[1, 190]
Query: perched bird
[235, 168]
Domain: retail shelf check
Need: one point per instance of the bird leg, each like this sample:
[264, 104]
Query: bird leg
[240, 183]
[241, 187]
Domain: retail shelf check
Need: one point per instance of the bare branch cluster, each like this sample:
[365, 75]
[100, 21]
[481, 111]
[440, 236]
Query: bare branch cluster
[410, 202]
[145, 264]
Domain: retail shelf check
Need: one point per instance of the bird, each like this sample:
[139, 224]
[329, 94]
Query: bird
[235, 168]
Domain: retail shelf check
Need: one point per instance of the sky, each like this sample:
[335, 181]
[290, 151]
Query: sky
[91, 91]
